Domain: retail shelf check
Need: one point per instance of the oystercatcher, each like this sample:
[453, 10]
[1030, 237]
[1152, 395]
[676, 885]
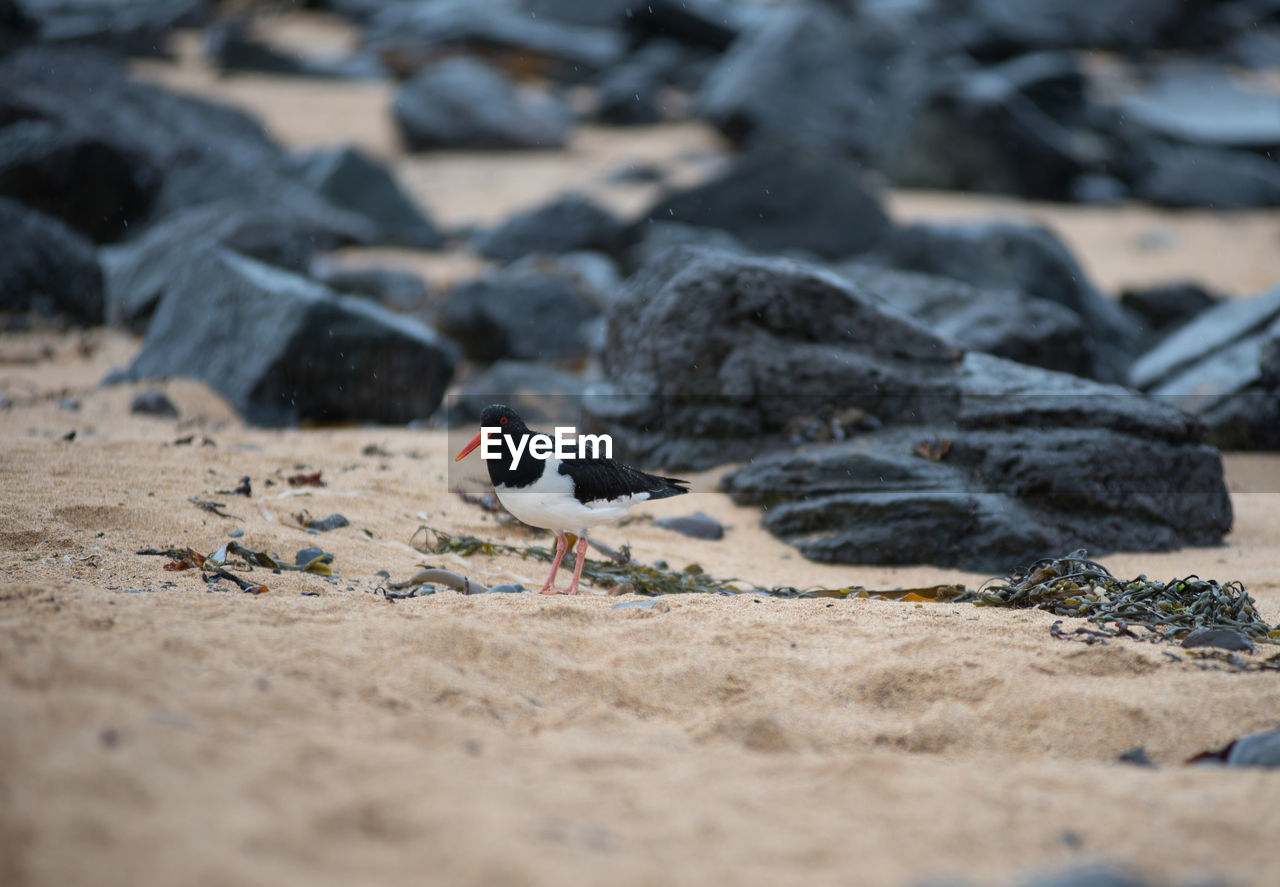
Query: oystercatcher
[563, 495]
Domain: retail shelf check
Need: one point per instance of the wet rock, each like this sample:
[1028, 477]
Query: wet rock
[1025, 258]
[697, 525]
[539, 393]
[520, 313]
[93, 185]
[774, 199]
[349, 179]
[334, 521]
[1220, 638]
[713, 358]
[713, 24]
[281, 348]
[285, 234]
[395, 289]
[1220, 178]
[411, 34]
[1003, 322]
[1163, 308]
[1015, 128]
[153, 402]
[1203, 105]
[47, 267]
[139, 26]
[656, 238]
[463, 103]
[568, 223]
[1006, 27]
[1219, 366]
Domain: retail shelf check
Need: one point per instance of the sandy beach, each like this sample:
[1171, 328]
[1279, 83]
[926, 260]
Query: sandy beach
[158, 730]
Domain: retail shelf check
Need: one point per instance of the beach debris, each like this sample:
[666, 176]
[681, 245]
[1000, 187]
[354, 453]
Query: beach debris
[307, 479]
[188, 558]
[153, 402]
[413, 591]
[1254, 750]
[374, 449]
[211, 507]
[656, 605]
[697, 525]
[1136, 756]
[189, 439]
[323, 524]
[1221, 638]
[309, 555]
[1076, 586]
[244, 488]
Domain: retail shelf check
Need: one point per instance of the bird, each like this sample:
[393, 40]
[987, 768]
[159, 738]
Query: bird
[564, 495]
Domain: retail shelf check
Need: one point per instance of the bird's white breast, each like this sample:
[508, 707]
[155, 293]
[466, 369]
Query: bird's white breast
[549, 503]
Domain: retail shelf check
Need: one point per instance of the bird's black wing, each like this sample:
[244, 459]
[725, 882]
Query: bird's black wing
[601, 479]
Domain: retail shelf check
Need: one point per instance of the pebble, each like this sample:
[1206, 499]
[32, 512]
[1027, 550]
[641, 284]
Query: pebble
[1137, 756]
[307, 555]
[332, 522]
[1221, 638]
[236, 533]
[697, 525]
[1256, 750]
[153, 402]
[508, 588]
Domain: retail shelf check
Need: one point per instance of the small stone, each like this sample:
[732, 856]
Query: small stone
[1255, 750]
[697, 525]
[1220, 638]
[332, 522]
[508, 588]
[236, 533]
[307, 555]
[1136, 756]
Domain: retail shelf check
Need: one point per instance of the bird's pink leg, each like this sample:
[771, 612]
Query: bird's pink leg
[581, 553]
[562, 548]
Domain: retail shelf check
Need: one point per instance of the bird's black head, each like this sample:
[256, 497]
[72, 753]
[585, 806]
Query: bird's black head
[499, 415]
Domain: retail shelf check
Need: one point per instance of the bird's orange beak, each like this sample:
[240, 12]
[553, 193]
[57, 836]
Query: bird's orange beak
[475, 442]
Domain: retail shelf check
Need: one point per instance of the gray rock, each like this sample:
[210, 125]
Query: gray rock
[629, 93]
[153, 402]
[568, 223]
[1221, 638]
[1025, 258]
[1020, 25]
[657, 237]
[981, 462]
[1255, 750]
[47, 267]
[395, 289]
[539, 393]
[1089, 875]
[93, 185]
[775, 199]
[520, 313]
[349, 179]
[232, 47]
[1203, 105]
[282, 349]
[714, 24]
[463, 103]
[1220, 178]
[307, 555]
[697, 525]
[1163, 308]
[334, 521]
[284, 234]
[137, 26]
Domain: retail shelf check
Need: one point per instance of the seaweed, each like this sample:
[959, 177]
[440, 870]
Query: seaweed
[1076, 586]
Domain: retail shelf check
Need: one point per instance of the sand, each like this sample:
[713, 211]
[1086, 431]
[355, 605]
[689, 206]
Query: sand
[155, 730]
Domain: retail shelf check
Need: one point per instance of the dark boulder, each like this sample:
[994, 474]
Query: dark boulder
[540, 393]
[657, 237]
[96, 187]
[394, 289]
[232, 46]
[599, 13]
[349, 179]
[139, 27]
[630, 92]
[47, 267]
[1162, 309]
[1224, 367]
[282, 349]
[567, 224]
[778, 199]
[1003, 322]
[713, 24]
[464, 103]
[520, 313]
[980, 462]
[1205, 106]
[412, 35]
[1025, 258]
[1006, 27]
[1219, 178]
[140, 272]
[15, 27]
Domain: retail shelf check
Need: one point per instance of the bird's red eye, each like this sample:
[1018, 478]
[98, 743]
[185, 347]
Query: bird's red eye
[502, 421]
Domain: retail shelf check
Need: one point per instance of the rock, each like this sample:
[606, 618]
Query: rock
[203, 152]
[568, 223]
[349, 179]
[1163, 308]
[539, 393]
[1007, 27]
[394, 289]
[231, 46]
[1255, 750]
[334, 521]
[47, 267]
[463, 103]
[600, 13]
[282, 349]
[519, 313]
[140, 272]
[136, 26]
[93, 185]
[1002, 322]
[153, 402]
[1026, 258]
[805, 76]
[1220, 638]
[1088, 875]
[657, 238]
[697, 525]
[713, 358]
[414, 33]
[15, 27]
[1201, 105]
[1219, 178]
[629, 92]
[713, 24]
[307, 555]
[1137, 756]
[773, 200]
[1098, 189]
[1015, 128]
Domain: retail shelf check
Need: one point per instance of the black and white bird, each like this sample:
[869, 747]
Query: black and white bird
[563, 495]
